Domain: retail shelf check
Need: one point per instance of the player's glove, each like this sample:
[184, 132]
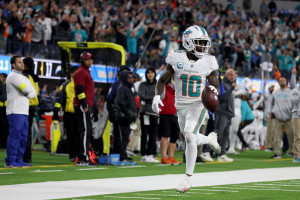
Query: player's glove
[156, 103]
[214, 89]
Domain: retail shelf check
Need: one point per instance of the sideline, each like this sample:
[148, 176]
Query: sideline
[79, 188]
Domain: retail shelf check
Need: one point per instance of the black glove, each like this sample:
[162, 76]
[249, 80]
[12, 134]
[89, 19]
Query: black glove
[55, 116]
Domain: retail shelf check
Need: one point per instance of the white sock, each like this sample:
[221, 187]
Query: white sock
[190, 153]
[201, 139]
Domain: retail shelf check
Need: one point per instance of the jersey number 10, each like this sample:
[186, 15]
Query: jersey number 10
[191, 85]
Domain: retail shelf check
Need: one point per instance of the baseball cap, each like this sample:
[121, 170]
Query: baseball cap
[87, 56]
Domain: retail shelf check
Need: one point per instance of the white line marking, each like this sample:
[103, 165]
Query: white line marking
[216, 190]
[279, 185]
[38, 171]
[246, 188]
[169, 195]
[7, 173]
[189, 192]
[83, 169]
[130, 197]
[123, 167]
[73, 188]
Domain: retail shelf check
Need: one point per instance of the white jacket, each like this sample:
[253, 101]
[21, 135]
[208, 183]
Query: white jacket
[19, 91]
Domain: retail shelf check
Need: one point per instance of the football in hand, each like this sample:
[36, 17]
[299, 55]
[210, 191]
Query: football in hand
[210, 99]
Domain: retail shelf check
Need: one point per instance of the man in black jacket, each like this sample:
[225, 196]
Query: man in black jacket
[225, 112]
[126, 108]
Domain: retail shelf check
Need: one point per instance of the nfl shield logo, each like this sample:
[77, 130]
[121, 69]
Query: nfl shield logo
[180, 65]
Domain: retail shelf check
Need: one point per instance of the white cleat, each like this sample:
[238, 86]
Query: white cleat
[232, 151]
[185, 185]
[213, 143]
[206, 157]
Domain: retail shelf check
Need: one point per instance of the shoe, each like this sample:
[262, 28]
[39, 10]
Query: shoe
[151, 159]
[144, 159]
[12, 165]
[290, 155]
[185, 185]
[232, 151]
[27, 160]
[23, 164]
[283, 152]
[165, 161]
[199, 160]
[174, 161]
[269, 150]
[244, 147]
[130, 153]
[296, 160]
[224, 158]
[276, 156]
[127, 162]
[213, 143]
[85, 163]
[206, 157]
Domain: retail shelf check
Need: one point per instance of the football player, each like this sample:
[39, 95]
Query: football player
[191, 69]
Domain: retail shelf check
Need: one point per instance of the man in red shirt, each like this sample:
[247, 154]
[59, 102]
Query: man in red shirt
[83, 104]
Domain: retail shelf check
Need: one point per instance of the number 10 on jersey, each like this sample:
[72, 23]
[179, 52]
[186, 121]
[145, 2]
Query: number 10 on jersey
[191, 85]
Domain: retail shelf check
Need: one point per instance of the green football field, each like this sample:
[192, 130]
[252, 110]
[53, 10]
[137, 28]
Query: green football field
[58, 168]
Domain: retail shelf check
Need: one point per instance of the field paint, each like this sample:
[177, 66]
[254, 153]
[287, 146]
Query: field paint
[169, 195]
[76, 188]
[247, 188]
[135, 166]
[192, 192]
[118, 197]
[38, 171]
[274, 160]
[281, 185]
[216, 190]
[7, 173]
[87, 169]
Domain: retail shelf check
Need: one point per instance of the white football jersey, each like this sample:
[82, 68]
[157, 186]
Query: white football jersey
[190, 76]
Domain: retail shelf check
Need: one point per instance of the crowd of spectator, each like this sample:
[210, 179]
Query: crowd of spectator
[241, 38]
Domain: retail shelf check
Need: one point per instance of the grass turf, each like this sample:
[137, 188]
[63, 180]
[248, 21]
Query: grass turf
[287, 190]
[58, 168]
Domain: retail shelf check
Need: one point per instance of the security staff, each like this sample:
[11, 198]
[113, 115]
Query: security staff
[19, 91]
[33, 103]
[64, 100]
[83, 103]
[3, 104]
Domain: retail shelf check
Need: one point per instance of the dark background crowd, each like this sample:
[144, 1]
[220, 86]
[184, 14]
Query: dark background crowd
[242, 38]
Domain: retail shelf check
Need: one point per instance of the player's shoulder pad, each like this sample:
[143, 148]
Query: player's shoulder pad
[172, 55]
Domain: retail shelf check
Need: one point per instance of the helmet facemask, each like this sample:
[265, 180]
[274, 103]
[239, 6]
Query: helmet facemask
[201, 46]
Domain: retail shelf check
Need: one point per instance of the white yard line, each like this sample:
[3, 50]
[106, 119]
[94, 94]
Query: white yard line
[41, 171]
[118, 197]
[86, 169]
[79, 188]
[3, 173]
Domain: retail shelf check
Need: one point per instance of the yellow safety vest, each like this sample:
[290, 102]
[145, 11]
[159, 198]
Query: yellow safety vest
[34, 101]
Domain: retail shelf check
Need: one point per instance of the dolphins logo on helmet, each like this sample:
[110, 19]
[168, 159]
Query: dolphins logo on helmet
[196, 40]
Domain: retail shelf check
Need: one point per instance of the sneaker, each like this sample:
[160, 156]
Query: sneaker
[290, 155]
[165, 161]
[276, 156]
[152, 159]
[199, 160]
[12, 165]
[130, 153]
[144, 159]
[224, 158]
[85, 163]
[174, 161]
[296, 160]
[213, 143]
[185, 185]
[268, 150]
[232, 151]
[206, 156]
[23, 164]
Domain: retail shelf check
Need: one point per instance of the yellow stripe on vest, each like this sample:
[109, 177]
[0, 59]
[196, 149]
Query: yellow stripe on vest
[57, 105]
[22, 86]
[81, 96]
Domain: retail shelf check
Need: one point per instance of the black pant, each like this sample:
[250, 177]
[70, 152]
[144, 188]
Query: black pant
[3, 127]
[84, 128]
[239, 133]
[222, 125]
[72, 134]
[28, 155]
[121, 139]
[148, 131]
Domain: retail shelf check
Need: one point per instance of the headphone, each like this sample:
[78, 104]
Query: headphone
[84, 55]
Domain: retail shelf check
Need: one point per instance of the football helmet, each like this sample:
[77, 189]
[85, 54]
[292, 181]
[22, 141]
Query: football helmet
[247, 84]
[196, 36]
